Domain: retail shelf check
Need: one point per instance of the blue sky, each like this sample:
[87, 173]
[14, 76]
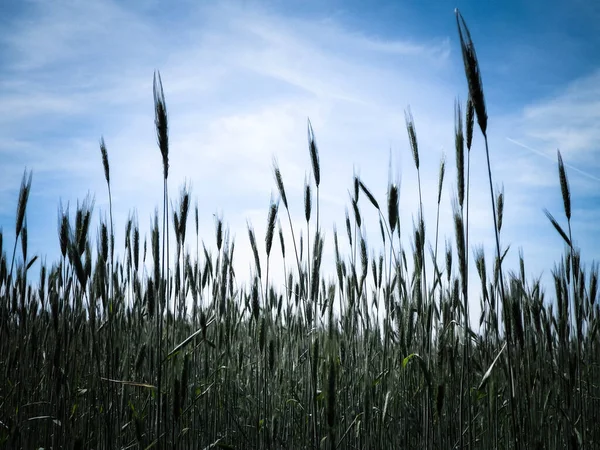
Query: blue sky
[241, 78]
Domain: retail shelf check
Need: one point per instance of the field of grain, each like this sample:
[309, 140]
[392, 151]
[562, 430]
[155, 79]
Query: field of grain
[100, 352]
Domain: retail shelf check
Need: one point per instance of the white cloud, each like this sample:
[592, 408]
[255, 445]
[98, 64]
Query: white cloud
[569, 121]
[239, 87]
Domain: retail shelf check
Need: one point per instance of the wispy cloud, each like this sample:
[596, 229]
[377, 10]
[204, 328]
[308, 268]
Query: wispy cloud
[569, 120]
[548, 157]
[239, 85]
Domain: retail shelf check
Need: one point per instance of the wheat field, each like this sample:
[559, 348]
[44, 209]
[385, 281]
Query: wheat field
[145, 351]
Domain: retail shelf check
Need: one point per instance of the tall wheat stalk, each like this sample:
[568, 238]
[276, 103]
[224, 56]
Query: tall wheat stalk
[475, 85]
[575, 305]
[162, 133]
[106, 166]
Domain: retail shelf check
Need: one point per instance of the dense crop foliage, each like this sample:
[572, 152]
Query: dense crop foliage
[98, 352]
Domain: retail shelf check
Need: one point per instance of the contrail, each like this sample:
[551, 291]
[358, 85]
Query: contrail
[586, 174]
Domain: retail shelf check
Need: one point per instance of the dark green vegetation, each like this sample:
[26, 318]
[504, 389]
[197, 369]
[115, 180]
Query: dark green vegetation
[97, 352]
